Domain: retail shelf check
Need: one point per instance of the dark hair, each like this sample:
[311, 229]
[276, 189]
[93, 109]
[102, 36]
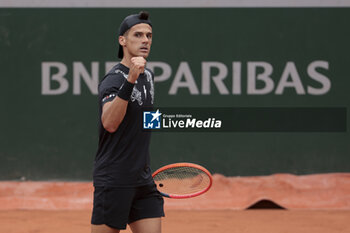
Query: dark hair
[143, 15]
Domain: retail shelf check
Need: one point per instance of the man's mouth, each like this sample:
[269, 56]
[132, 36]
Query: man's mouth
[144, 49]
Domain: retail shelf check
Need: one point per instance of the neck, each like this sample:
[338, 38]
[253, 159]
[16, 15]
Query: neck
[126, 62]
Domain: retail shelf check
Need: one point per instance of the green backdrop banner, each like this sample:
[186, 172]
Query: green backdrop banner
[52, 59]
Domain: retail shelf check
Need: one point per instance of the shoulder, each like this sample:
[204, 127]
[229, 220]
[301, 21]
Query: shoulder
[114, 78]
[149, 73]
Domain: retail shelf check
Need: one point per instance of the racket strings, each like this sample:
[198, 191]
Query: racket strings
[182, 180]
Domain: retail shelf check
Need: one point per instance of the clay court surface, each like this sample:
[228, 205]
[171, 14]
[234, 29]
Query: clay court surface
[185, 221]
[317, 203]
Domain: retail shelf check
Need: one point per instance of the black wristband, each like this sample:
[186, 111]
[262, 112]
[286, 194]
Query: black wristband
[126, 90]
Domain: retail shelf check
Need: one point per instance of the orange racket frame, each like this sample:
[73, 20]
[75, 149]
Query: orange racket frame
[199, 167]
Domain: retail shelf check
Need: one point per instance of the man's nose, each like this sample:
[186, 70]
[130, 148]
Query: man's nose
[145, 39]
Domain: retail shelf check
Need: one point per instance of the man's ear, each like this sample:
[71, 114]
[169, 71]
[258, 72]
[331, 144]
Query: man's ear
[122, 41]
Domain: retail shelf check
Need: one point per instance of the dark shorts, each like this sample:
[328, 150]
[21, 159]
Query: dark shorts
[117, 207]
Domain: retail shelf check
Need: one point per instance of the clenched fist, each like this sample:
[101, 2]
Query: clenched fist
[137, 67]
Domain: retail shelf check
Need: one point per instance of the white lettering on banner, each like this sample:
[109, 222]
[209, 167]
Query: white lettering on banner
[91, 81]
[165, 68]
[55, 78]
[109, 65]
[47, 77]
[236, 78]
[325, 82]
[263, 77]
[79, 72]
[218, 79]
[183, 71]
[290, 71]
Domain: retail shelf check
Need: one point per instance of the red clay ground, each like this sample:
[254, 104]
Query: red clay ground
[318, 191]
[183, 221]
[317, 203]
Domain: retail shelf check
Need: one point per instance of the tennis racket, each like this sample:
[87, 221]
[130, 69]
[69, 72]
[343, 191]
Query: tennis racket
[182, 180]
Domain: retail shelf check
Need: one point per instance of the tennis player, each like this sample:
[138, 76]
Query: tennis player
[125, 192]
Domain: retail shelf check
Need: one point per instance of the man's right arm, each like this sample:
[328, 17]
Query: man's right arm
[113, 112]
